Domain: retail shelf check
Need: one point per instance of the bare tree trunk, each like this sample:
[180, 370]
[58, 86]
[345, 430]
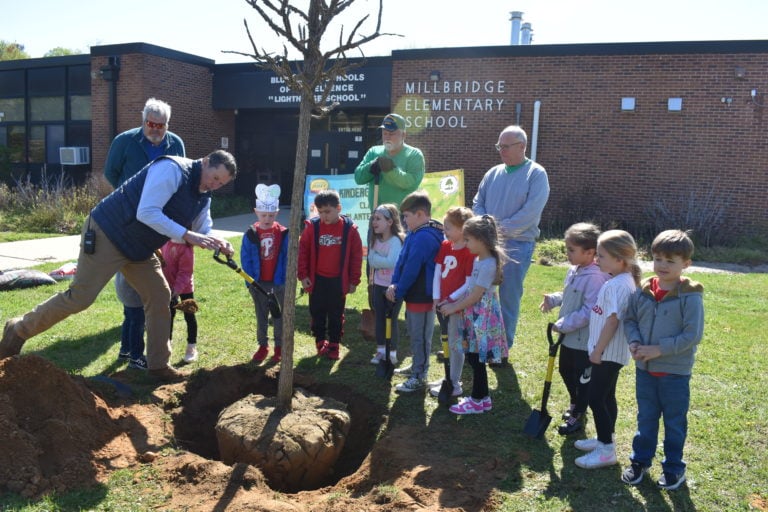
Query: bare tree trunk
[285, 382]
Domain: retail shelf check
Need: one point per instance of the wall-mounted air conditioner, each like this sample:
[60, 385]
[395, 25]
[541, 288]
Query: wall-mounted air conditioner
[75, 155]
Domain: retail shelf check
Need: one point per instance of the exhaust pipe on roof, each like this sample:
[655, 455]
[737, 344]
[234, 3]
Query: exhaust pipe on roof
[516, 17]
[526, 34]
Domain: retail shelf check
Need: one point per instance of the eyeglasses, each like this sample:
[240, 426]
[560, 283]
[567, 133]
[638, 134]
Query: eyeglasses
[504, 147]
[155, 126]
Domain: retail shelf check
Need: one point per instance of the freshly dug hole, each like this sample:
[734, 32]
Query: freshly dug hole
[296, 450]
[208, 392]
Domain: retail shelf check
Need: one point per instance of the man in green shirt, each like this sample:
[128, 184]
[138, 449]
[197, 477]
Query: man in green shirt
[398, 166]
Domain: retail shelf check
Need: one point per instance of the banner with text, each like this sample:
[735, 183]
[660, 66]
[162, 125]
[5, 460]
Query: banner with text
[445, 189]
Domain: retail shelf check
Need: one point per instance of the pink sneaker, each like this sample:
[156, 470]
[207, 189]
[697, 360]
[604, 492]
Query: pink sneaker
[487, 404]
[467, 405]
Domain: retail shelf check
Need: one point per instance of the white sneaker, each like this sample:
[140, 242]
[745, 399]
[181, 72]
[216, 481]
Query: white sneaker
[393, 357]
[191, 354]
[435, 390]
[377, 358]
[405, 371]
[586, 445]
[602, 456]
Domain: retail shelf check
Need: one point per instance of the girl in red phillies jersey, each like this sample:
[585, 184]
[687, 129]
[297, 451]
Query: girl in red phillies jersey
[453, 265]
[607, 347]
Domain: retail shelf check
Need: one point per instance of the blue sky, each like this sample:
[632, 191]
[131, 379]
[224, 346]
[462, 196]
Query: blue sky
[206, 27]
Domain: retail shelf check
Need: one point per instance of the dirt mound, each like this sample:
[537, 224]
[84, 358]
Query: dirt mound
[55, 433]
[60, 432]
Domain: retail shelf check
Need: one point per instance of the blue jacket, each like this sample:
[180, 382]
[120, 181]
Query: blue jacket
[415, 267]
[675, 324]
[116, 213]
[126, 155]
[250, 255]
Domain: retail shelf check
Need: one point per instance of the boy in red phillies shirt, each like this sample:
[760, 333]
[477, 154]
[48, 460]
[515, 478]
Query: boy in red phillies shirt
[329, 267]
[264, 257]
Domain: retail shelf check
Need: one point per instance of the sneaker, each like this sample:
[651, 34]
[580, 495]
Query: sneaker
[633, 475]
[435, 390]
[411, 385]
[377, 358]
[602, 456]
[487, 404]
[322, 347]
[567, 413]
[574, 423]
[404, 371]
[277, 355]
[393, 357]
[670, 481]
[333, 351]
[467, 405]
[191, 354]
[168, 374]
[11, 343]
[123, 356]
[586, 445]
[260, 354]
[139, 363]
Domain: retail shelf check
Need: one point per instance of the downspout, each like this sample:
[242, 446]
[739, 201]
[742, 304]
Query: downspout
[535, 130]
[518, 112]
[111, 73]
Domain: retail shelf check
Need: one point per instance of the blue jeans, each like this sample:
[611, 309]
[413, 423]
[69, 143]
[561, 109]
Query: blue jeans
[132, 338]
[670, 397]
[511, 289]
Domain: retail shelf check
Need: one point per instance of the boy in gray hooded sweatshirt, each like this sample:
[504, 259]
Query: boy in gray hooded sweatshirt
[664, 325]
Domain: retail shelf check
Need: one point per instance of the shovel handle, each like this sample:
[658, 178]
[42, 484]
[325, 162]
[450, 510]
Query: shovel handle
[228, 262]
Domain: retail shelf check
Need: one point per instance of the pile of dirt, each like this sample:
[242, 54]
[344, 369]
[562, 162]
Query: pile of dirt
[55, 433]
[60, 432]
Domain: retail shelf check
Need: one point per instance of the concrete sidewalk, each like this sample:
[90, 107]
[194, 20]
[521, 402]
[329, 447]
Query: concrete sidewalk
[28, 253]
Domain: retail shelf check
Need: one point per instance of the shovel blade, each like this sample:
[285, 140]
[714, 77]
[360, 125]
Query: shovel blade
[445, 396]
[385, 369]
[537, 424]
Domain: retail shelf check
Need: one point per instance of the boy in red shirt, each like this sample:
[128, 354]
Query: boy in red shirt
[264, 256]
[329, 267]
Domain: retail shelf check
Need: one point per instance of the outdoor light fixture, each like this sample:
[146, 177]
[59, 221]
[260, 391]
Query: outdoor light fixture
[434, 76]
[628, 104]
[739, 73]
[675, 104]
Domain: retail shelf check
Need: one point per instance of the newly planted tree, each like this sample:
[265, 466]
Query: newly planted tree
[312, 77]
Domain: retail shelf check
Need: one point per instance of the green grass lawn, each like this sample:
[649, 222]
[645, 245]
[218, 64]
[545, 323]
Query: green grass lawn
[728, 425]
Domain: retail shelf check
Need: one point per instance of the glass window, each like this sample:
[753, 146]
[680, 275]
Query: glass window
[46, 81]
[54, 139]
[13, 109]
[12, 83]
[16, 135]
[47, 108]
[37, 144]
[79, 134]
[80, 108]
[80, 80]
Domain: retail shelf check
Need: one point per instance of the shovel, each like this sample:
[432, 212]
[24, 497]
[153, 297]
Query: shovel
[272, 303]
[385, 368]
[445, 395]
[538, 421]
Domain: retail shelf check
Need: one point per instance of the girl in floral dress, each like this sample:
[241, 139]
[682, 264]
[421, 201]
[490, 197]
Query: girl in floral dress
[483, 328]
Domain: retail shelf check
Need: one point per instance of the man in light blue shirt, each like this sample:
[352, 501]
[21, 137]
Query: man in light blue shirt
[514, 193]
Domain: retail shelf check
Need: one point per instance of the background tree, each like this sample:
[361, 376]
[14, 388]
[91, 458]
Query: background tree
[312, 78]
[12, 51]
[59, 51]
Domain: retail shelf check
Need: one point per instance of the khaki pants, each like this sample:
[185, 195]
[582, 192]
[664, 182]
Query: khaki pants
[94, 271]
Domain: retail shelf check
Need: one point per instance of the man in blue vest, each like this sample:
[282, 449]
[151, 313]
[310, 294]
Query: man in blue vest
[169, 198]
